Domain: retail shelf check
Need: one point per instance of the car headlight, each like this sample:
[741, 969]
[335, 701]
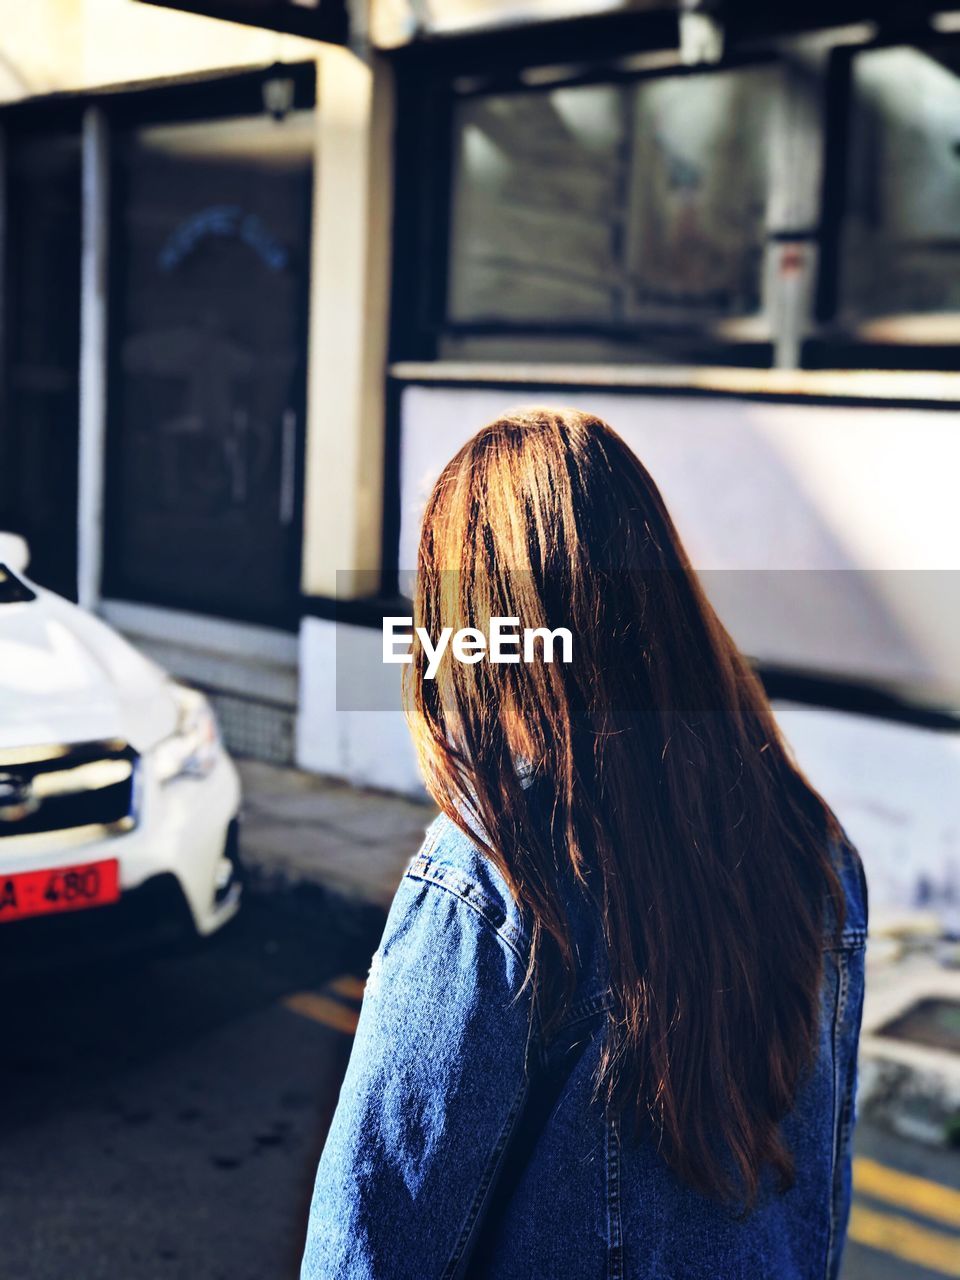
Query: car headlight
[193, 748]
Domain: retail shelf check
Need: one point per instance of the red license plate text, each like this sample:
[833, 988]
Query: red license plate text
[41, 893]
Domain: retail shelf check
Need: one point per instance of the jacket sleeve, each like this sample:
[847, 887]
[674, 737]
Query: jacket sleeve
[435, 1084]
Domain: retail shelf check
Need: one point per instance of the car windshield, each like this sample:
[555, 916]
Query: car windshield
[12, 590]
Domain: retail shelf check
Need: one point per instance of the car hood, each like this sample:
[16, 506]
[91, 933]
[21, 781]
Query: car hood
[65, 676]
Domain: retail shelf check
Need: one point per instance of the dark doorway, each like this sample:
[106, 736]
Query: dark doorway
[41, 348]
[210, 262]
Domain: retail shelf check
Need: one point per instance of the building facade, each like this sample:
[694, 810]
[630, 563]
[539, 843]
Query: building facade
[257, 287]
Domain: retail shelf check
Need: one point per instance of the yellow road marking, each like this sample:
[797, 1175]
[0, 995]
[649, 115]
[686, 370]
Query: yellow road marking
[906, 1191]
[891, 1233]
[324, 1009]
[347, 985]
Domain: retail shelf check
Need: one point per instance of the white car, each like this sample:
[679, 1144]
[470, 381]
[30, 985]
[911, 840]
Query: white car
[118, 802]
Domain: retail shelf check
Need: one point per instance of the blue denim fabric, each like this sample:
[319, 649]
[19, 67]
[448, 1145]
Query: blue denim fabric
[464, 1146]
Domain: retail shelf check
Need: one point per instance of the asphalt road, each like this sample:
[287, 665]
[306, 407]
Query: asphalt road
[162, 1120]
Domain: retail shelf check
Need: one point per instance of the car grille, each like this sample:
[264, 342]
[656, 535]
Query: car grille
[87, 788]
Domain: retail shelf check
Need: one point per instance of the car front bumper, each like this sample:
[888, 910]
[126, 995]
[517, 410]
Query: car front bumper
[178, 867]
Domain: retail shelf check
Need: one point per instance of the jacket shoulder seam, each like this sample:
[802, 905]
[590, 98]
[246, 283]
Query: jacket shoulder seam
[472, 895]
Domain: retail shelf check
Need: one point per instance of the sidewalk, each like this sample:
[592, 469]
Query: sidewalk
[299, 828]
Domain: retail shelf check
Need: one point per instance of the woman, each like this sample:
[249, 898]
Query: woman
[611, 1028]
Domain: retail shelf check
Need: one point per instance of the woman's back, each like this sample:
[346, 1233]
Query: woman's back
[612, 1027]
[467, 1144]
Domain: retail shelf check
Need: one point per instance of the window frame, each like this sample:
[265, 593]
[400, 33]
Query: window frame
[425, 78]
[831, 345]
[615, 329]
[427, 98]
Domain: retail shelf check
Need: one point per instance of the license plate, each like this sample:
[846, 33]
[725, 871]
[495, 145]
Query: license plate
[41, 893]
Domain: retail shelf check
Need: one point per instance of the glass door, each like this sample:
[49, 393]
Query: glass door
[210, 270]
[39, 388]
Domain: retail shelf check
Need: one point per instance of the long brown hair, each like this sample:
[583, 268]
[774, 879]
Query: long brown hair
[671, 800]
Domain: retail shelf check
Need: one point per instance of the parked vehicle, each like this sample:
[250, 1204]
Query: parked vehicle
[118, 801]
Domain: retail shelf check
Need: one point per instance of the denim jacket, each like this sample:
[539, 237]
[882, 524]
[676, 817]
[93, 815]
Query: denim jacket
[465, 1146]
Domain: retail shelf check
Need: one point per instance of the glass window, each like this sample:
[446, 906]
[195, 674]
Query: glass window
[614, 205]
[900, 277]
[539, 196]
[211, 253]
[699, 177]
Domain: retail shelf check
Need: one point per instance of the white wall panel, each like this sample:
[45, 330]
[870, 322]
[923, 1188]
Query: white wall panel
[828, 534]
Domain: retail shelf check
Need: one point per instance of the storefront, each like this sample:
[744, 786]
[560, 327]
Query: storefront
[322, 275]
[725, 285]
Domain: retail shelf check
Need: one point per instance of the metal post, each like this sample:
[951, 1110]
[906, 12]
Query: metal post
[793, 213]
[93, 356]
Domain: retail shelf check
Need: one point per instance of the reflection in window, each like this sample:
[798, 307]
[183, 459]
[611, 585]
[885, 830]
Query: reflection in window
[901, 264]
[699, 178]
[538, 198]
[211, 238]
[613, 205]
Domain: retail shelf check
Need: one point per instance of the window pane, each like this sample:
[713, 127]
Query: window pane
[900, 275]
[700, 178]
[539, 196]
[613, 205]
